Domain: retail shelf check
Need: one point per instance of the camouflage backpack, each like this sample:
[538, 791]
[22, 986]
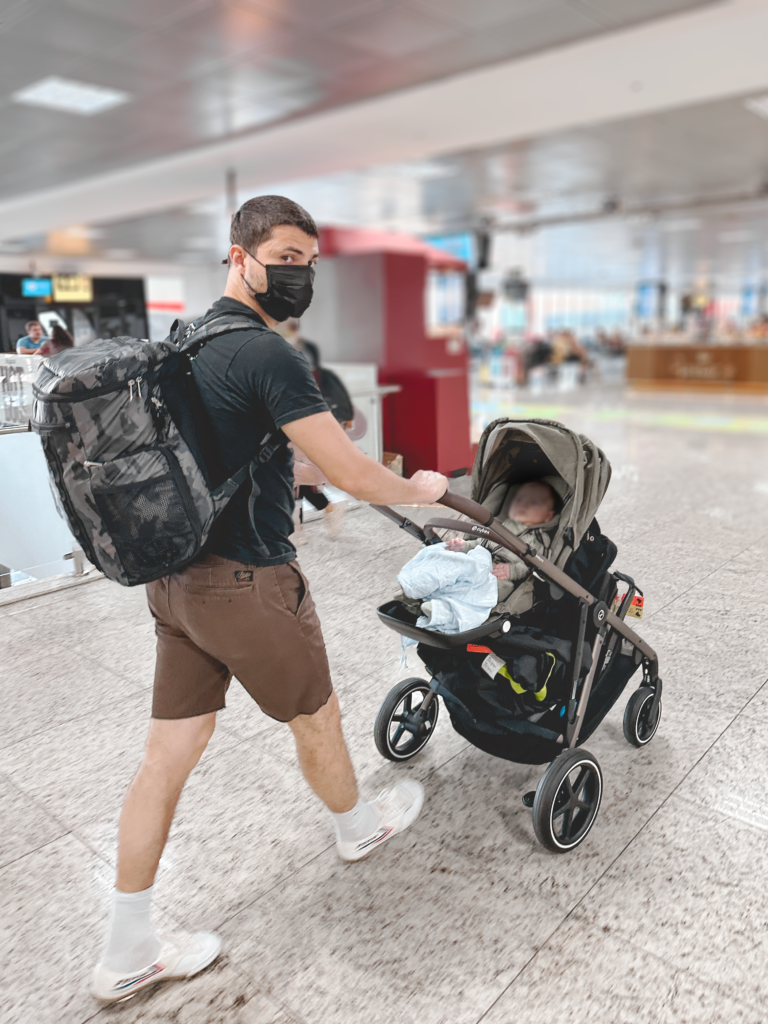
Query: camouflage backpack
[130, 450]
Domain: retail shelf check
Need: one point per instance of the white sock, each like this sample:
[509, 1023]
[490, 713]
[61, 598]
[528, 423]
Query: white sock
[131, 940]
[358, 823]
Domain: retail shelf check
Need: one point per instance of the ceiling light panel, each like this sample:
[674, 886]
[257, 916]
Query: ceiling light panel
[70, 96]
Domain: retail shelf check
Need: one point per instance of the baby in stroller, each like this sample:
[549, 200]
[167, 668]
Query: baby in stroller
[532, 505]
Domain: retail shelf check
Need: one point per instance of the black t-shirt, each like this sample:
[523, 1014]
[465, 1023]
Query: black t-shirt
[252, 383]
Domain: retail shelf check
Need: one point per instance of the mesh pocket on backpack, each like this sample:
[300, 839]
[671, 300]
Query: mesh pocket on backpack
[146, 509]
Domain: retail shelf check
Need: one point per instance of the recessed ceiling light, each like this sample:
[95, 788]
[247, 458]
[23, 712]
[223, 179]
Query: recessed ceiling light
[71, 96]
[758, 105]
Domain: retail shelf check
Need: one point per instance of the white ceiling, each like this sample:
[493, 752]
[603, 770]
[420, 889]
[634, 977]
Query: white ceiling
[650, 117]
[203, 70]
[156, 150]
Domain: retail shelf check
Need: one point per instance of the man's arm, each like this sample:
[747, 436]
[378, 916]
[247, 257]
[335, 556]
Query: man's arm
[22, 350]
[322, 439]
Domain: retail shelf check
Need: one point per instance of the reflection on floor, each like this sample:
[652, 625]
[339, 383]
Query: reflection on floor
[658, 917]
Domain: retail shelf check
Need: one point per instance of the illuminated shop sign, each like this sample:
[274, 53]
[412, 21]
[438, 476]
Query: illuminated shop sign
[72, 288]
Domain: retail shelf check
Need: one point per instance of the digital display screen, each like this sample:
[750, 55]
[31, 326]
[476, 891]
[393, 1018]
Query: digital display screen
[36, 287]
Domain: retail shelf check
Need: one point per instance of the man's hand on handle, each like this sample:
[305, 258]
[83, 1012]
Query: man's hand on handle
[326, 445]
[430, 486]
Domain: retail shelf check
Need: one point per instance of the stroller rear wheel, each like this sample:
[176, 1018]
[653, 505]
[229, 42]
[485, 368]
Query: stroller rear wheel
[404, 725]
[639, 727]
[567, 800]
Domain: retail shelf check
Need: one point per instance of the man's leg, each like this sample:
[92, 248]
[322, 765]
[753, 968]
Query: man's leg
[174, 746]
[134, 956]
[326, 765]
[324, 758]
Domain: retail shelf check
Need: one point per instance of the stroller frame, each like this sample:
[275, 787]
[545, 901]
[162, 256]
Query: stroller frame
[610, 626]
[567, 799]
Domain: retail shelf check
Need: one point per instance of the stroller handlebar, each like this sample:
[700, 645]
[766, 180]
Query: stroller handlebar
[467, 507]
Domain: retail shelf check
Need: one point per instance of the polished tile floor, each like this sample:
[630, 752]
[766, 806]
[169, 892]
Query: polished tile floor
[659, 917]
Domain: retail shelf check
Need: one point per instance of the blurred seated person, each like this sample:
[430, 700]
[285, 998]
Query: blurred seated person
[538, 352]
[291, 331]
[58, 341]
[29, 345]
[307, 477]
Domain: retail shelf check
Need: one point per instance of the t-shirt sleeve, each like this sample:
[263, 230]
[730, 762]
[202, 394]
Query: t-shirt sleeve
[280, 377]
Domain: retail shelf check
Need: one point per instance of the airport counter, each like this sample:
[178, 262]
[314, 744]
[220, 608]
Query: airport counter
[698, 367]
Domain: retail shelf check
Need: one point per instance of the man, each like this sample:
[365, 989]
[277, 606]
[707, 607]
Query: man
[244, 607]
[32, 340]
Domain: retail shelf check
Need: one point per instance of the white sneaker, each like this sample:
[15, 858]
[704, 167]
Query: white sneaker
[398, 808]
[181, 955]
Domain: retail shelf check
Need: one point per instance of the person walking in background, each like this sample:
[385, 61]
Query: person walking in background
[58, 341]
[308, 478]
[30, 344]
[244, 608]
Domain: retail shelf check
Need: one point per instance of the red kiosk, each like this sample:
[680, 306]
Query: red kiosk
[381, 277]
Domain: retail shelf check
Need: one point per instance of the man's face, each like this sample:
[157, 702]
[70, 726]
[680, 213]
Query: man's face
[288, 245]
[35, 332]
[533, 504]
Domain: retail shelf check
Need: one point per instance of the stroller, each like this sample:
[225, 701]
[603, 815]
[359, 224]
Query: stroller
[535, 680]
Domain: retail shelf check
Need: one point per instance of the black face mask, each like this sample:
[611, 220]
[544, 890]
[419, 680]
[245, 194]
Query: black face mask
[289, 290]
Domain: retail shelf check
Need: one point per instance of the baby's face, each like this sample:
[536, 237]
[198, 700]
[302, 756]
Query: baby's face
[533, 505]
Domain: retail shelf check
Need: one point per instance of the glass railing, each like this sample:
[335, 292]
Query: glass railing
[17, 374]
[35, 542]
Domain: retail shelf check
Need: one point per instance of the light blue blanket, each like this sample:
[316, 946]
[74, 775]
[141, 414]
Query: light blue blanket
[457, 588]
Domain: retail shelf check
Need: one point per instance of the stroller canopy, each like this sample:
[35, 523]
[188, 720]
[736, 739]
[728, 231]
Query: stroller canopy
[513, 451]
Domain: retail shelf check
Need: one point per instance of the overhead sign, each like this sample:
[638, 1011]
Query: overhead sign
[72, 288]
[36, 287]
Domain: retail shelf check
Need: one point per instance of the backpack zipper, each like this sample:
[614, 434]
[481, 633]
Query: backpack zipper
[135, 382]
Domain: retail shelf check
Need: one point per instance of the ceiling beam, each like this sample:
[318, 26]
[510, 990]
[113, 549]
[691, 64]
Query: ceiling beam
[711, 53]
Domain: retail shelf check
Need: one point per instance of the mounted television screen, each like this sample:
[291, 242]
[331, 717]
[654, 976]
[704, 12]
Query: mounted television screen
[36, 287]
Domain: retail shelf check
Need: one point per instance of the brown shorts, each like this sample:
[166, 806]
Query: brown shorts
[219, 619]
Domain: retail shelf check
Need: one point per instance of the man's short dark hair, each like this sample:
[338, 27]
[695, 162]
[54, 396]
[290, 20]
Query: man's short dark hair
[257, 219]
[32, 323]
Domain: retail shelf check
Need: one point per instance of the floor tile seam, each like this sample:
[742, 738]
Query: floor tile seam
[10, 781]
[574, 911]
[274, 885]
[36, 849]
[724, 815]
[524, 968]
[670, 795]
[717, 568]
[290, 1013]
[115, 701]
[678, 970]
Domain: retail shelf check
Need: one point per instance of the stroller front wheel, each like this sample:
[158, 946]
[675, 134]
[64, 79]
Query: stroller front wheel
[567, 800]
[639, 727]
[404, 725]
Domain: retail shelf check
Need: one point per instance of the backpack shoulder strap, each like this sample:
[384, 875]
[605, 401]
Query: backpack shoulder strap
[190, 338]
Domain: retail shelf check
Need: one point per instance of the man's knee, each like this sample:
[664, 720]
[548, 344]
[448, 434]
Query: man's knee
[176, 745]
[325, 719]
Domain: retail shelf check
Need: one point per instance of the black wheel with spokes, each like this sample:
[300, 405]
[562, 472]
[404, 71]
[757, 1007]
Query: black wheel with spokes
[406, 720]
[567, 800]
[640, 724]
